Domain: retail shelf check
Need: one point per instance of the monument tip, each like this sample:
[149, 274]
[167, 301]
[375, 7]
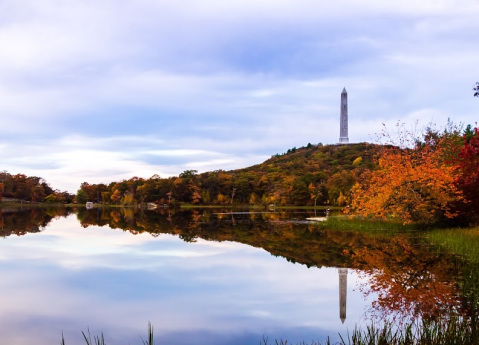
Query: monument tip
[344, 90]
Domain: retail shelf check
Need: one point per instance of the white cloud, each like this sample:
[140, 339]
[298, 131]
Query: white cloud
[105, 90]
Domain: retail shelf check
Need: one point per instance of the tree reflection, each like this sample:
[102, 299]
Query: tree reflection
[409, 279]
[29, 220]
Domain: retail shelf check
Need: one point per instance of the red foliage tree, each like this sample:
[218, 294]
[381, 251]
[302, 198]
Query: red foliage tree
[468, 179]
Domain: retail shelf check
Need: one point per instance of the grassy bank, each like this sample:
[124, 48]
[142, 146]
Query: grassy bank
[352, 223]
[462, 242]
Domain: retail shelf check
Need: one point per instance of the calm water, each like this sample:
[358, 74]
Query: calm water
[206, 278]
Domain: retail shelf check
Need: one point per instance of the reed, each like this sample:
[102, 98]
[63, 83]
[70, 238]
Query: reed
[462, 242]
[452, 331]
[96, 340]
[100, 340]
[353, 223]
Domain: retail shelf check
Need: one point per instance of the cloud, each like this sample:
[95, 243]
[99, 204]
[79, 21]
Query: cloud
[237, 80]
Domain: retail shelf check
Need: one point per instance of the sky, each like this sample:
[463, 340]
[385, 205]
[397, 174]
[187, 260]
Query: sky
[101, 91]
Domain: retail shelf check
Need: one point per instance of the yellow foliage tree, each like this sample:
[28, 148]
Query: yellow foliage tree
[253, 199]
[342, 200]
[358, 161]
[221, 199]
[128, 199]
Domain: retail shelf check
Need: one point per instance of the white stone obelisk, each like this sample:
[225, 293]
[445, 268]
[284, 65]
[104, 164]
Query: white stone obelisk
[343, 292]
[343, 126]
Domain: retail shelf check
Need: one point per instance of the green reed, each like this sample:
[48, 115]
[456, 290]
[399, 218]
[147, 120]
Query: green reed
[353, 223]
[454, 330]
[462, 242]
[100, 340]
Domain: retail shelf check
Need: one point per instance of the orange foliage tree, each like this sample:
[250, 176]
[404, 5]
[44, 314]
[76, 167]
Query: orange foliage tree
[116, 196]
[412, 184]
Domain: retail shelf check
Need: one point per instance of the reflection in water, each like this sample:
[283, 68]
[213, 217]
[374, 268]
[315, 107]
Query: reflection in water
[202, 289]
[403, 276]
[343, 291]
[15, 221]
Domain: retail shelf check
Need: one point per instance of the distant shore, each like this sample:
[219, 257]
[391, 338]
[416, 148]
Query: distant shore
[182, 206]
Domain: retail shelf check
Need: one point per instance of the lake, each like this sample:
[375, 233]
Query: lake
[211, 276]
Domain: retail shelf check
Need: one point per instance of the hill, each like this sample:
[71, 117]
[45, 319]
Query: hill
[301, 176]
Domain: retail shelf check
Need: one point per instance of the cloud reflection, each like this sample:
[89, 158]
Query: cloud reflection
[116, 282]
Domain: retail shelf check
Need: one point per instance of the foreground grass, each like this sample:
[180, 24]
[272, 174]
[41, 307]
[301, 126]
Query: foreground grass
[462, 242]
[444, 332]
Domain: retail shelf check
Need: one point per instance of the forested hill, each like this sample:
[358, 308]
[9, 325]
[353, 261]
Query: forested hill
[314, 159]
[297, 176]
[300, 176]
[20, 187]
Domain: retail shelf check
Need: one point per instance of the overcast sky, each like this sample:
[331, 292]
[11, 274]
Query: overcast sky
[100, 91]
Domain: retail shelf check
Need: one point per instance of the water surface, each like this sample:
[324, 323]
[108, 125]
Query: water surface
[206, 278]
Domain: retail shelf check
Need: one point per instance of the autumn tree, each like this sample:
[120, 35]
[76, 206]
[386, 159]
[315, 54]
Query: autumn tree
[127, 198]
[22, 186]
[468, 174]
[339, 186]
[412, 184]
[116, 196]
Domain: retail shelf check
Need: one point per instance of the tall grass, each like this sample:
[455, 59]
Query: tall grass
[353, 223]
[452, 331]
[100, 340]
[462, 242]
[455, 331]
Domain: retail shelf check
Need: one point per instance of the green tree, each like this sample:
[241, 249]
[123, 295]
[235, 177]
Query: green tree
[50, 199]
[81, 196]
[105, 197]
[300, 194]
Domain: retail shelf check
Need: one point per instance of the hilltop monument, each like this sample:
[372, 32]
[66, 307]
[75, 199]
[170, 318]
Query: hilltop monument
[343, 126]
[343, 291]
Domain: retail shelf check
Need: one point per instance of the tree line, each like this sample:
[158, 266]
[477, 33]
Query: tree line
[30, 188]
[314, 174]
